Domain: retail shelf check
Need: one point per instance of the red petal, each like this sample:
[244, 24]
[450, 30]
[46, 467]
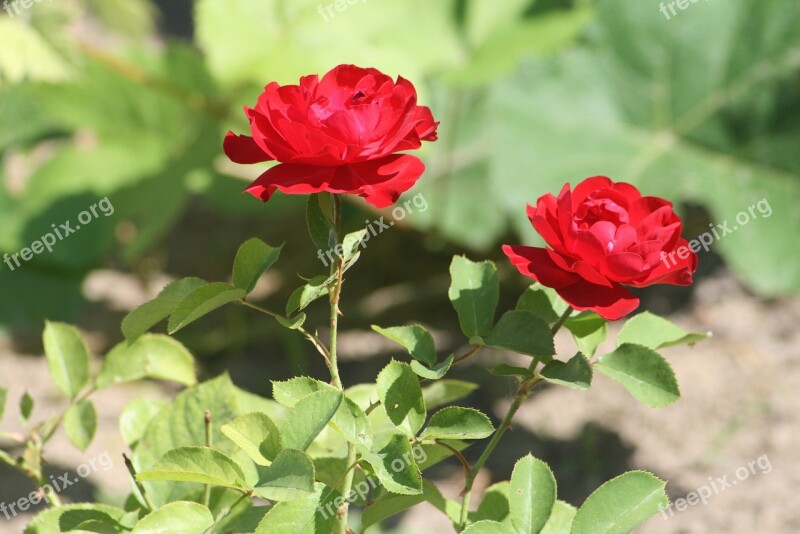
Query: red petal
[536, 263]
[380, 182]
[243, 149]
[611, 303]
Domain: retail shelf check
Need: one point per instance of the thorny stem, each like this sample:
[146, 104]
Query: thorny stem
[522, 393]
[337, 269]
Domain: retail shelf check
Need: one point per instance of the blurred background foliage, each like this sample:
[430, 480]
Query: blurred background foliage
[131, 98]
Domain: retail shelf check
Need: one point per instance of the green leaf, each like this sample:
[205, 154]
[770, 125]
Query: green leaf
[67, 357]
[401, 397]
[181, 516]
[257, 435]
[654, 332]
[494, 505]
[202, 301]
[510, 370]
[351, 243]
[414, 338]
[320, 227]
[151, 313]
[349, 419]
[253, 259]
[67, 518]
[3, 396]
[150, 356]
[522, 332]
[293, 323]
[291, 391]
[543, 302]
[474, 292]
[438, 370]
[135, 417]
[446, 391]
[80, 424]
[561, 518]
[290, 476]
[589, 330]
[197, 464]
[26, 407]
[304, 295]
[391, 504]
[531, 495]
[314, 514]
[458, 423]
[180, 424]
[395, 466]
[308, 417]
[643, 372]
[621, 504]
[575, 374]
[488, 527]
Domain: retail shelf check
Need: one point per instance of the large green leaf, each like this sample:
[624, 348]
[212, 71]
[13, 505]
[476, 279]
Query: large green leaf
[196, 464]
[531, 495]
[621, 504]
[655, 332]
[395, 466]
[560, 521]
[474, 292]
[643, 372]
[151, 313]
[522, 332]
[488, 527]
[181, 516]
[314, 514]
[67, 357]
[80, 424]
[181, 424]
[68, 517]
[150, 356]
[575, 374]
[257, 435]
[456, 422]
[291, 476]
[308, 417]
[401, 397]
[135, 417]
[414, 338]
[252, 260]
[202, 301]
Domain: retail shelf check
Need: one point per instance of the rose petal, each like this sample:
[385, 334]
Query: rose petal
[536, 263]
[243, 149]
[611, 303]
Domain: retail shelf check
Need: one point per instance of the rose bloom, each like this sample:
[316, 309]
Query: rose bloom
[602, 237]
[340, 134]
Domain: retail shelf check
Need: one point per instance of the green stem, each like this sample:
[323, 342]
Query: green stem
[337, 269]
[209, 444]
[519, 397]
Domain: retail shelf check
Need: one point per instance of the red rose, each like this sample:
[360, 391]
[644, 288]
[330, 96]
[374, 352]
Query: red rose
[603, 236]
[339, 134]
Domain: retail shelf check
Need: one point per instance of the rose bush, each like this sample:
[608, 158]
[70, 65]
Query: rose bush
[340, 134]
[603, 236]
